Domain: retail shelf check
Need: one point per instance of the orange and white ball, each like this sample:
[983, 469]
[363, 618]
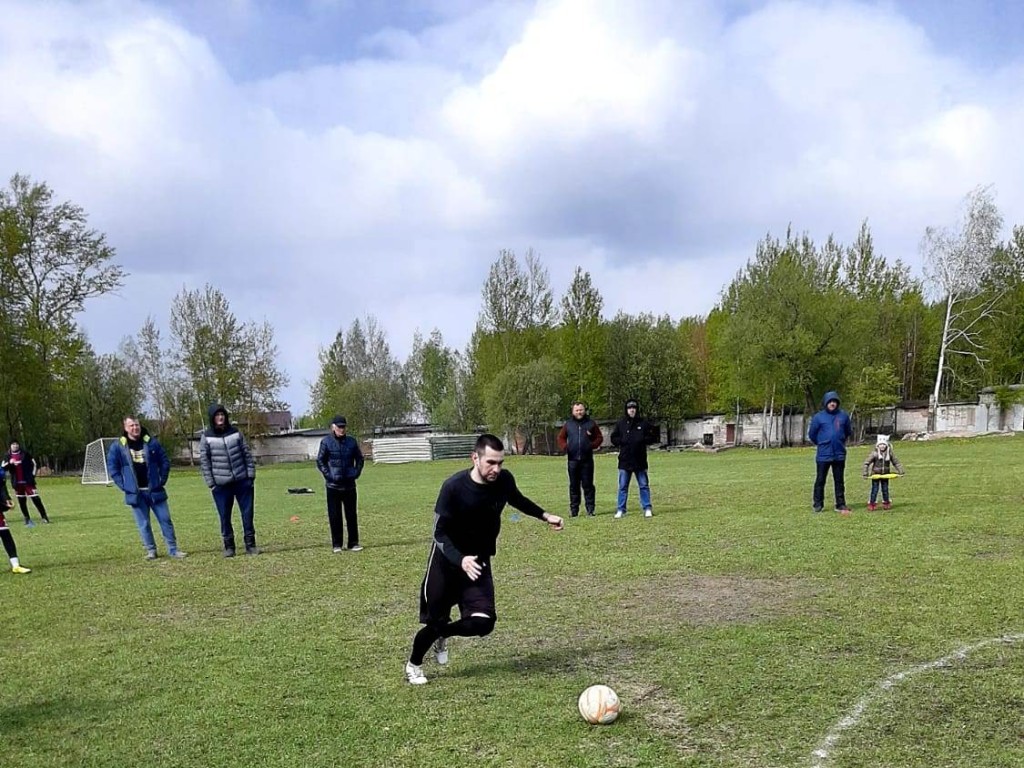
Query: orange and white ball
[599, 705]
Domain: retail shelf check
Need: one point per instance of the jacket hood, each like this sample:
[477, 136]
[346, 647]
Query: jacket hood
[830, 395]
[213, 410]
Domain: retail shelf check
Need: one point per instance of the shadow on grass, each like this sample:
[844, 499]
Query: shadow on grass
[31, 714]
[305, 546]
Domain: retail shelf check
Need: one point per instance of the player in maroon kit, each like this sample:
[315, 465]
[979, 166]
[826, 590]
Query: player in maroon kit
[22, 468]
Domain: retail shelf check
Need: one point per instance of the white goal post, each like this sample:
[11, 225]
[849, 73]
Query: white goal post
[94, 469]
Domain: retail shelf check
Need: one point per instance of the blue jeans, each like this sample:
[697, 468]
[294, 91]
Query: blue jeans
[163, 516]
[224, 497]
[641, 483]
[875, 484]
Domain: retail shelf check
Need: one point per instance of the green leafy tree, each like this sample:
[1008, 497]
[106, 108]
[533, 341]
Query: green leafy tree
[360, 378]
[51, 265]
[1003, 334]
[523, 399]
[224, 360]
[516, 319]
[785, 331]
[647, 359]
[582, 340]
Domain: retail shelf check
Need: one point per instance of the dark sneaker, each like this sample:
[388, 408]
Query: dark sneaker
[178, 554]
[590, 513]
[887, 505]
[252, 550]
[818, 509]
[29, 524]
[229, 552]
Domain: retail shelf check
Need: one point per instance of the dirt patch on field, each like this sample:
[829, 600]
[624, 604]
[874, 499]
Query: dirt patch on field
[703, 600]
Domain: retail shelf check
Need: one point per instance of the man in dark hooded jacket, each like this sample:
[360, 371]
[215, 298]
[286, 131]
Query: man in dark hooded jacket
[229, 470]
[632, 434]
[829, 430]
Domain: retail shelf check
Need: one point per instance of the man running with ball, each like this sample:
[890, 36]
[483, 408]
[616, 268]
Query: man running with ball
[467, 520]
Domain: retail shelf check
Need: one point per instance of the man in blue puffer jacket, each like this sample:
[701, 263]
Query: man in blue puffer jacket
[341, 462]
[830, 429]
[229, 470]
[138, 466]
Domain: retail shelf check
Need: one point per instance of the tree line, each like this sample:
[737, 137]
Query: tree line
[799, 318]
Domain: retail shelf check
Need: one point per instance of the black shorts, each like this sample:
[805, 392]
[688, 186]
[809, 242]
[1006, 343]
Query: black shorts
[445, 586]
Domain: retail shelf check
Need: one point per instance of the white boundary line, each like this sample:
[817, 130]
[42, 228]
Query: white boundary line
[823, 752]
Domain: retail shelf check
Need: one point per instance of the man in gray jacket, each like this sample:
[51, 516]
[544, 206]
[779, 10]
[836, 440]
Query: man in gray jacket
[229, 471]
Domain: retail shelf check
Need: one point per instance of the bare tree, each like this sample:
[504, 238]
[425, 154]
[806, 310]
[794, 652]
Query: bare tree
[956, 262]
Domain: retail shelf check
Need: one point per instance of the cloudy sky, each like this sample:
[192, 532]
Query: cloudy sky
[321, 160]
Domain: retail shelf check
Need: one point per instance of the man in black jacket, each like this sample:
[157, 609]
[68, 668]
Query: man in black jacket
[578, 439]
[632, 435]
[341, 462]
[467, 520]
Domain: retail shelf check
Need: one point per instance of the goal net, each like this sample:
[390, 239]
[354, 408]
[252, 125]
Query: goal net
[94, 469]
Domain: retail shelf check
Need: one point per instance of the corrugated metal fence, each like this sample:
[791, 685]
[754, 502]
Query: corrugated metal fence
[399, 450]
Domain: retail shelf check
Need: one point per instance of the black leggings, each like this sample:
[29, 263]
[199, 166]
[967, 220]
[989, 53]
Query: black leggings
[8, 540]
[23, 503]
[471, 626]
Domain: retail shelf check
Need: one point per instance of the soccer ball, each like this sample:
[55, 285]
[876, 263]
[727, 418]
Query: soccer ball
[599, 705]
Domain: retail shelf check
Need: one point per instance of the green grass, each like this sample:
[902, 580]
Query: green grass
[737, 627]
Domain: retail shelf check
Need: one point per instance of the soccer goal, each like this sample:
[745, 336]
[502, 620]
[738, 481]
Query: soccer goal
[94, 470]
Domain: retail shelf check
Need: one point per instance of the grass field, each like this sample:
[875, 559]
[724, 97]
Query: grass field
[738, 628]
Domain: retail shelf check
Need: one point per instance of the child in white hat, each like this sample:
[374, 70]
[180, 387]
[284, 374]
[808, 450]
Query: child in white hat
[882, 461]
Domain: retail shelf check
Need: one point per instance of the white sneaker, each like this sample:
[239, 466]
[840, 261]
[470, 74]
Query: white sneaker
[441, 650]
[648, 512]
[337, 550]
[414, 674]
[356, 548]
[620, 513]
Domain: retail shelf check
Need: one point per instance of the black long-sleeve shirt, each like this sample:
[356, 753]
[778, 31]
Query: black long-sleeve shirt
[467, 517]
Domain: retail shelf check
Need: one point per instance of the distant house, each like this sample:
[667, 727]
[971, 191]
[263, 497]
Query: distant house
[267, 423]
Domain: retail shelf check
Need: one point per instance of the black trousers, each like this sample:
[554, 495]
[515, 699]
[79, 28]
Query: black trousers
[337, 499]
[838, 480]
[581, 474]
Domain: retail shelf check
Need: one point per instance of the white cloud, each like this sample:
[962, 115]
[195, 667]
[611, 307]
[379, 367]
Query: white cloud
[652, 143]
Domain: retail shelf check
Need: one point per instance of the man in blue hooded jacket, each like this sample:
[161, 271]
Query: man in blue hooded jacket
[830, 429]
